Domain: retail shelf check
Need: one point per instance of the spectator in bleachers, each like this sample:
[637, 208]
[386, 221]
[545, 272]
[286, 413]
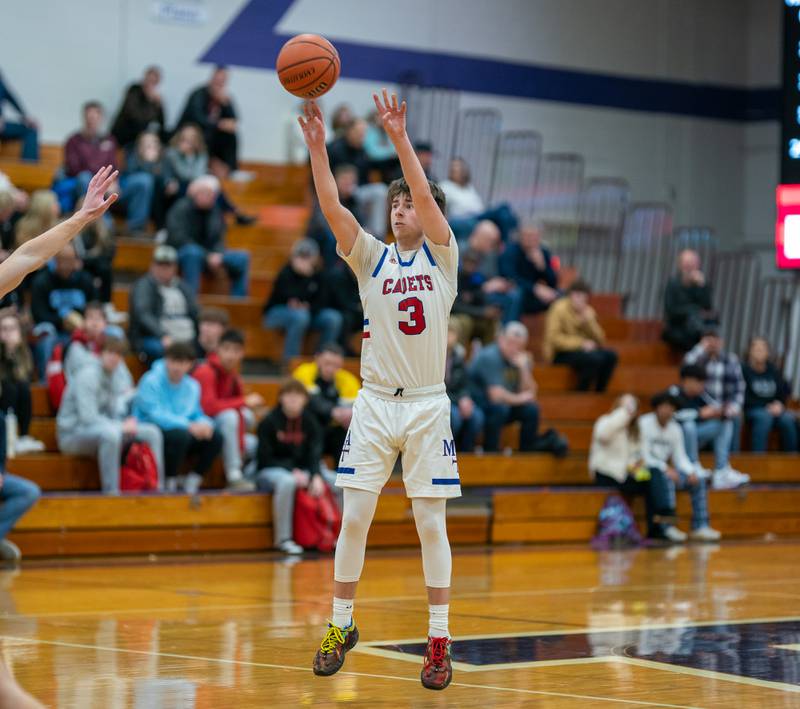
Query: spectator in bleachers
[687, 303]
[344, 287]
[466, 418]
[663, 452]
[9, 216]
[148, 156]
[346, 177]
[223, 399]
[196, 228]
[96, 248]
[42, 214]
[93, 417]
[477, 318]
[169, 398]
[615, 461]
[298, 299]
[212, 323]
[24, 130]
[141, 110]
[424, 151]
[370, 196]
[765, 399]
[380, 150]
[59, 294]
[185, 159]
[341, 117]
[211, 107]
[503, 387]
[90, 149]
[573, 337]
[86, 343]
[16, 373]
[465, 206]
[703, 423]
[290, 443]
[332, 391]
[163, 309]
[530, 266]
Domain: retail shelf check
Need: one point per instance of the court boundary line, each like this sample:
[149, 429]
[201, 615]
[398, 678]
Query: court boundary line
[266, 665]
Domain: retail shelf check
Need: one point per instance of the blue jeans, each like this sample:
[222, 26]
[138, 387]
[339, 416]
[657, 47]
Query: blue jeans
[502, 215]
[699, 496]
[697, 434]
[192, 260]
[17, 496]
[44, 346]
[465, 431]
[136, 194]
[296, 321]
[152, 348]
[28, 136]
[762, 422]
[498, 415]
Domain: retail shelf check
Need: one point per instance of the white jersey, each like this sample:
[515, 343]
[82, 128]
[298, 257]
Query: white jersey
[406, 297]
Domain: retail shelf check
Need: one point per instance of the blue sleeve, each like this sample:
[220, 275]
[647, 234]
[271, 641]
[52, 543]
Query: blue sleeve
[149, 407]
[196, 414]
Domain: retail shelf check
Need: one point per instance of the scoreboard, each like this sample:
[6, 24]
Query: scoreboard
[787, 226]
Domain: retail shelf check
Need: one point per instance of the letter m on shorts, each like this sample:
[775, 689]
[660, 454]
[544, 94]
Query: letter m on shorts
[449, 449]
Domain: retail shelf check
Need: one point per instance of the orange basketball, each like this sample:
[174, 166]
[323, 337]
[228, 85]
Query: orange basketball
[308, 66]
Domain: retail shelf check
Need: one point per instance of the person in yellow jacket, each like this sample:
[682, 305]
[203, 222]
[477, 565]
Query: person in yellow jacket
[333, 390]
[573, 336]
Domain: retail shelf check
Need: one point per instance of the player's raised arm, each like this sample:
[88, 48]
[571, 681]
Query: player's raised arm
[341, 221]
[431, 219]
[33, 254]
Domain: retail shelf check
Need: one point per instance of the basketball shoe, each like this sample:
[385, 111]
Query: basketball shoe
[337, 641]
[437, 672]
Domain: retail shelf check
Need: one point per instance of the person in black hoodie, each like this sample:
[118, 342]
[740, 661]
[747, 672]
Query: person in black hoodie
[765, 399]
[290, 442]
[297, 301]
[466, 417]
[530, 266]
[687, 303]
[59, 295]
[141, 110]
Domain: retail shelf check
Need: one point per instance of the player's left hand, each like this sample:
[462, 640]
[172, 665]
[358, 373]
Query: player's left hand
[392, 115]
[95, 203]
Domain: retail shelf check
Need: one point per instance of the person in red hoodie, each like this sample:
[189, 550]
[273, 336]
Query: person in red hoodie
[223, 399]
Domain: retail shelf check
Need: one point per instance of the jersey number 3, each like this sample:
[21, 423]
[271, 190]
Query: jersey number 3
[416, 323]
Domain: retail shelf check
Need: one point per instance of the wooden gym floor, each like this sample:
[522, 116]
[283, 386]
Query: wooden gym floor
[701, 626]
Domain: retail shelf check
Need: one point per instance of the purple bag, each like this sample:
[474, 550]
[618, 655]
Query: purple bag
[616, 526]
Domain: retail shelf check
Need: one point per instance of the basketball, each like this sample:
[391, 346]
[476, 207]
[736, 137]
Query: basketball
[308, 66]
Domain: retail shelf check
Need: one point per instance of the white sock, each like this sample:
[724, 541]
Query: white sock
[192, 482]
[437, 621]
[342, 612]
[234, 476]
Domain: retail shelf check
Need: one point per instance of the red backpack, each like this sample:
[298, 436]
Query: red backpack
[317, 520]
[56, 379]
[139, 471]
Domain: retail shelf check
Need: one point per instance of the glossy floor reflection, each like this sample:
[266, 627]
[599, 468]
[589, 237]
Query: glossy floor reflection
[545, 627]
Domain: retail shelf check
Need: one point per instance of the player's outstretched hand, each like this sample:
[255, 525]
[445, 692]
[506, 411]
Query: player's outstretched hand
[313, 125]
[96, 203]
[392, 115]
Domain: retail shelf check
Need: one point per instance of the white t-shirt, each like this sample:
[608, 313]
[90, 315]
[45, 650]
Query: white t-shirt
[660, 445]
[406, 297]
[462, 201]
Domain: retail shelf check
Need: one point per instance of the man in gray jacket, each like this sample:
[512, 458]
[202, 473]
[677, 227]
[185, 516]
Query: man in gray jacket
[92, 419]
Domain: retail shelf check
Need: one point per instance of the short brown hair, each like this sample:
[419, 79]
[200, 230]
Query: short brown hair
[180, 352]
[400, 186]
[216, 315]
[292, 386]
[580, 286]
[116, 344]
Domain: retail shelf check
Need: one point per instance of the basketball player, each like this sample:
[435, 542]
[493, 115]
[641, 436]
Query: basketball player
[29, 257]
[407, 290]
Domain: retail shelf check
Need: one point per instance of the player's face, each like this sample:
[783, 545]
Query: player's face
[293, 403]
[692, 386]
[405, 224]
[230, 355]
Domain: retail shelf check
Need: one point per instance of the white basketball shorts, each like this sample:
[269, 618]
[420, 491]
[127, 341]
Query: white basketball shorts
[418, 426]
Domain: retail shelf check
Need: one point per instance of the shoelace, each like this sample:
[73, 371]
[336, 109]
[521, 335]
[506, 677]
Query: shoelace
[438, 651]
[332, 637]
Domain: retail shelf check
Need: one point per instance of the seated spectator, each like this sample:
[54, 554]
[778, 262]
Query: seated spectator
[196, 228]
[16, 373]
[96, 248]
[663, 452]
[163, 309]
[332, 391]
[477, 318]
[141, 110]
[504, 389]
[466, 419]
[615, 461]
[318, 229]
[765, 399]
[465, 207]
[343, 285]
[169, 398]
[703, 422]
[573, 336]
[380, 150]
[93, 417]
[290, 445]
[59, 294]
[24, 130]
[424, 151]
[211, 326]
[211, 107]
[185, 159]
[298, 299]
[10, 214]
[341, 117]
[86, 342]
[43, 213]
[89, 150]
[370, 196]
[725, 384]
[687, 303]
[530, 266]
[223, 400]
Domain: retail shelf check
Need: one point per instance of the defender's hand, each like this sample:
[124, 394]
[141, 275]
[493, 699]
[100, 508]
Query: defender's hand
[392, 115]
